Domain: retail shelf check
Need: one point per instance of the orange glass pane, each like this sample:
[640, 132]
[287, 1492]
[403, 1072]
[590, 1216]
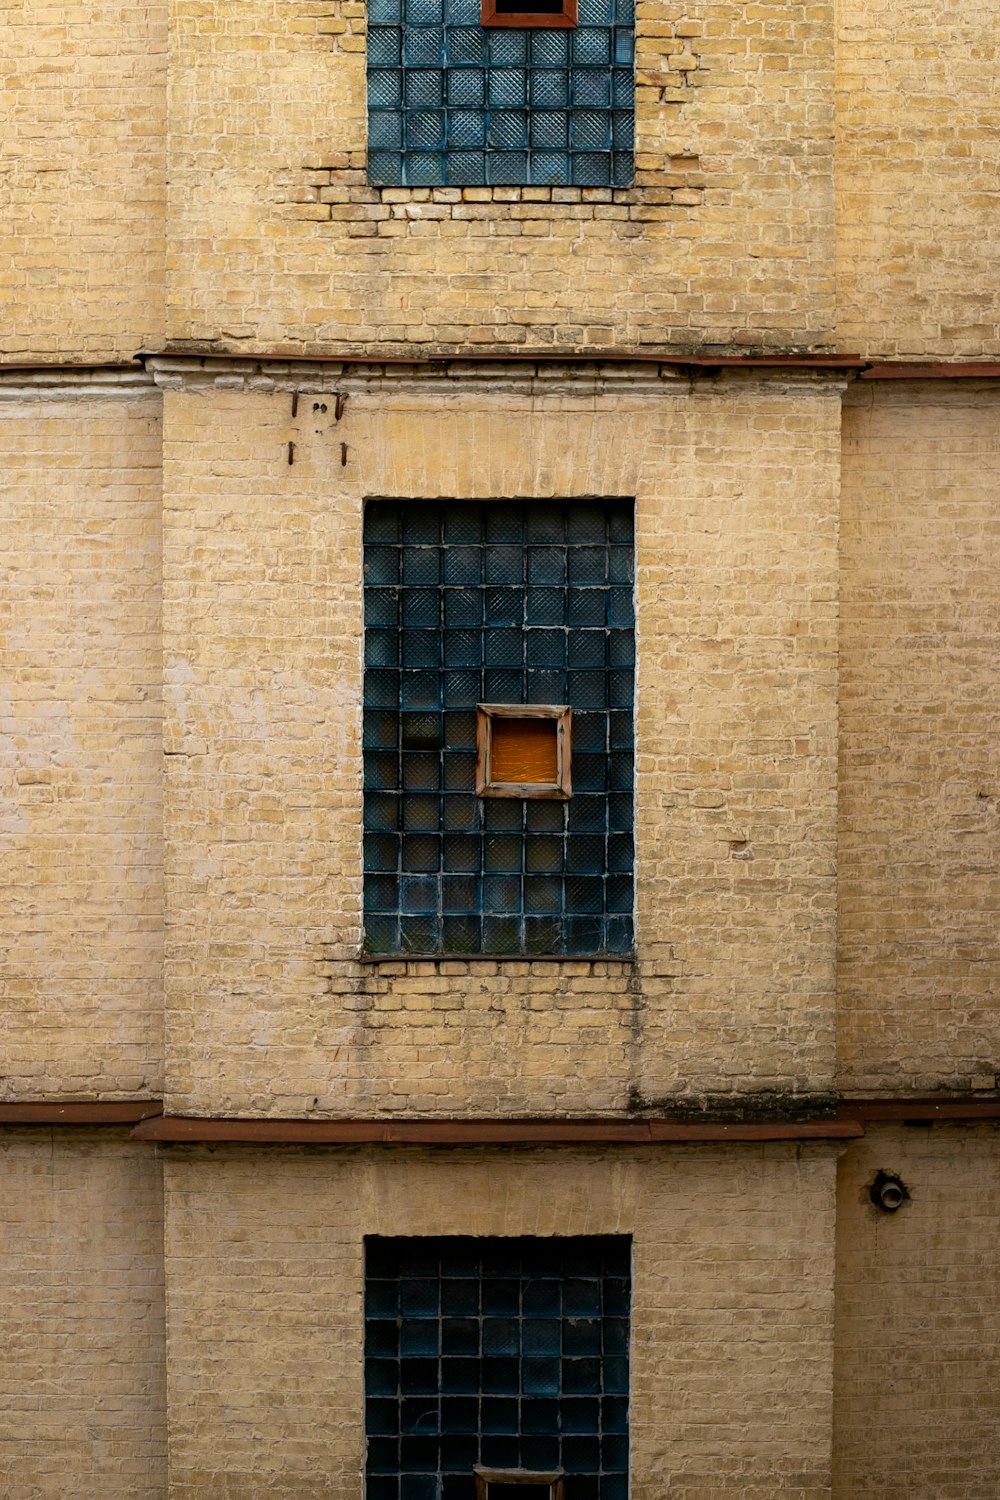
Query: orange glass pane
[524, 750]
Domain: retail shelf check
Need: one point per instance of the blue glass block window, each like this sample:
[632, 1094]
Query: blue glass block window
[509, 1353]
[453, 102]
[499, 603]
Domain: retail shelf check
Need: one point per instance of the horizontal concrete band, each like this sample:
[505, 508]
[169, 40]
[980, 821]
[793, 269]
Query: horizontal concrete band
[132, 376]
[486, 1132]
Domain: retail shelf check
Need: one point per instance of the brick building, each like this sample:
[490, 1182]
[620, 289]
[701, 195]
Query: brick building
[499, 781]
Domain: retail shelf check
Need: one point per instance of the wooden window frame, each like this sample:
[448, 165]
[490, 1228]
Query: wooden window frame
[561, 788]
[565, 18]
[485, 1477]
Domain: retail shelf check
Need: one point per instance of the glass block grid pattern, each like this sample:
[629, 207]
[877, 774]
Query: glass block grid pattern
[455, 104]
[466, 603]
[510, 1353]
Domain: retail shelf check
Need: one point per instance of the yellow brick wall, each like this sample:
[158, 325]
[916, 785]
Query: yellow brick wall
[268, 1010]
[80, 808]
[918, 247]
[82, 164]
[82, 1397]
[731, 1363]
[275, 240]
[919, 958]
[917, 1401]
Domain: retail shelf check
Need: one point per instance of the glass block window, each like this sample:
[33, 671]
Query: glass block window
[470, 603]
[452, 103]
[504, 1353]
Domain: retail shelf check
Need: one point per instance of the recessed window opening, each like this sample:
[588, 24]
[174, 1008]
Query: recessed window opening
[531, 13]
[510, 1485]
[523, 750]
[497, 1368]
[498, 727]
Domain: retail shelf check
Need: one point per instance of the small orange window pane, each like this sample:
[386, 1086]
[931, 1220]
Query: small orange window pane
[524, 750]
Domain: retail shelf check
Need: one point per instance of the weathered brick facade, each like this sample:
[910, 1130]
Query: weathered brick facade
[219, 342]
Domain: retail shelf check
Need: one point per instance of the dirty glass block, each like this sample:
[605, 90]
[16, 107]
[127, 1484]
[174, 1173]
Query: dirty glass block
[590, 86]
[424, 128]
[501, 935]
[592, 45]
[591, 168]
[385, 87]
[423, 168]
[461, 565]
[508, 128]
[384, 46]
[460, 731]
[465, 45]
[591, 130]
[419, 525]
[462, 853]
[460, 813]
[466, 87]
[621, 564]
[504, 564]
[421, 851]
[420, 566]
[590, 730]
[621, 772]
[504, 816]
[385, 128]
[620, 851]
[622, 88]
[462, 689]
[420, 814]
[462, 648]
[503, 648]
[621, 812]
[421, 608]
[418, 689]
[461, 934]
[623, 169]
[547, 648]
[423, 12]
[621, 606]
[504, 606]
[506, 87]
[459, 773]
[508, 168]
[381, 811]
[587, 648]
[465, 168]
[503, 685]
[381, 851]
[423, 87]
[420, 648]
[466, 127]
[423, 46]
[549, 88]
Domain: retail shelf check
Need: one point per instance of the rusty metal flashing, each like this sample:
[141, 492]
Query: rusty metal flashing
[919, 1110]
[80, 1112]
[150, 1124]
[967, 370]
